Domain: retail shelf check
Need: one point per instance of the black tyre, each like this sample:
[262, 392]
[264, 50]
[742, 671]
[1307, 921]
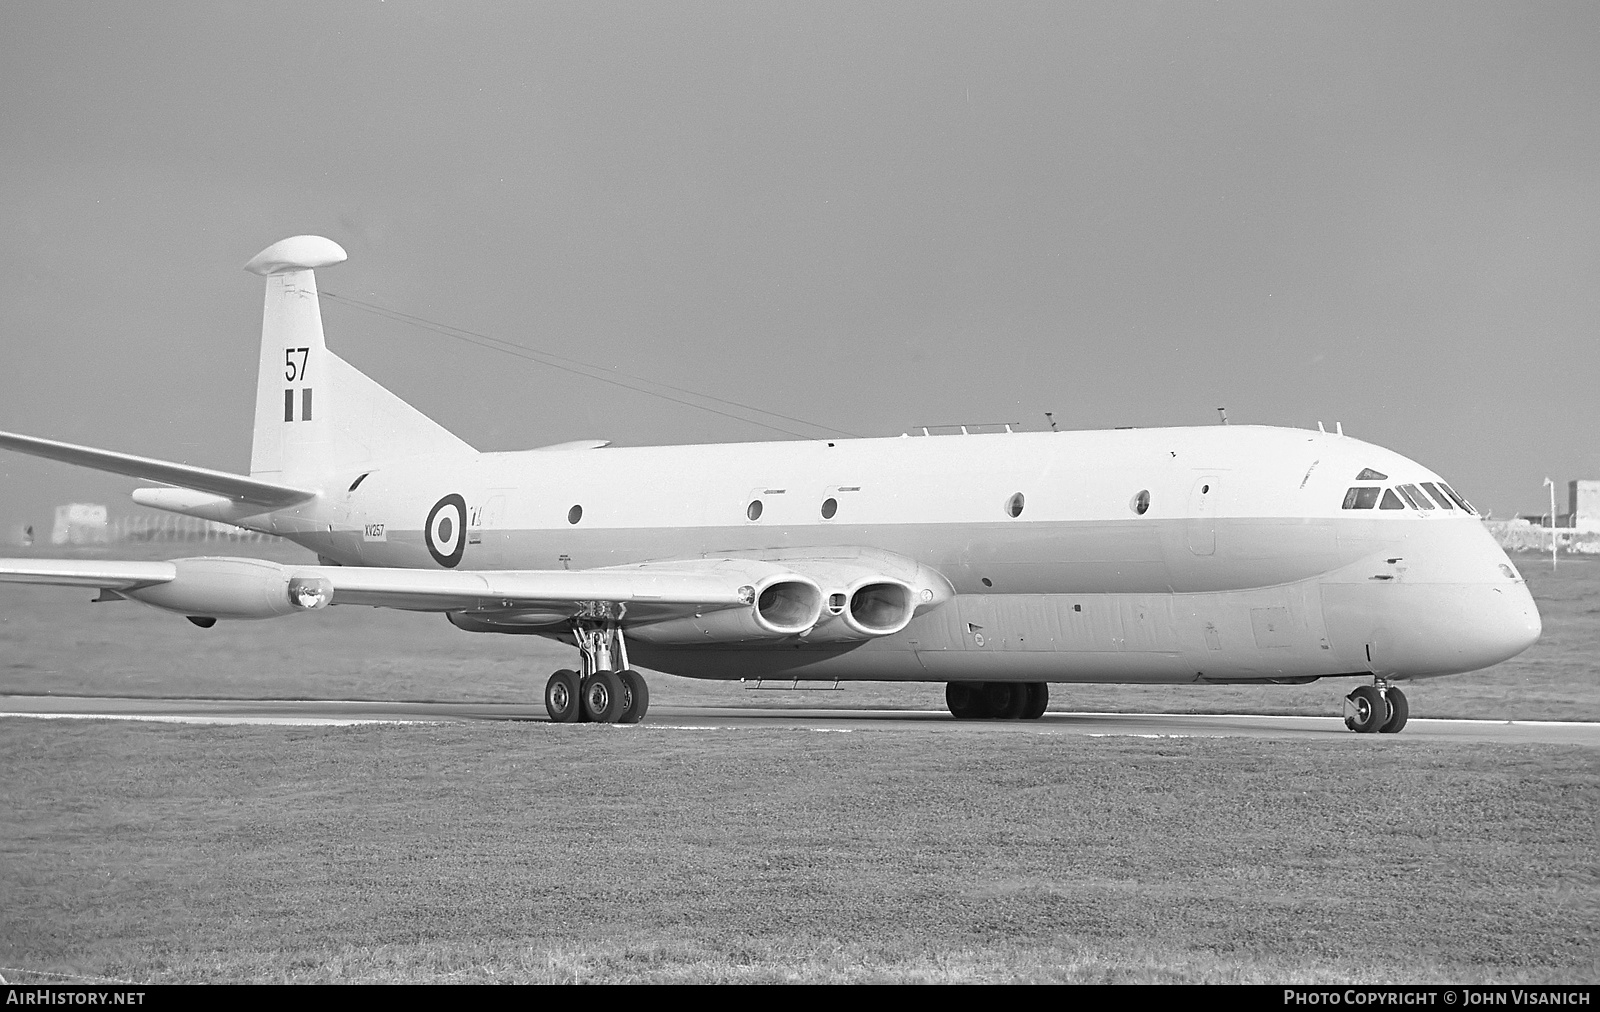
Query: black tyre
[1038, 698]
[1005, 700]
[636, 697]
[1399, 712]
[604, 697]
[1368, 710]
[965, 700]
[561, 697]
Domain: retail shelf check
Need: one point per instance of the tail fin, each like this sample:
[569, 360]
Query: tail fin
[317, 416]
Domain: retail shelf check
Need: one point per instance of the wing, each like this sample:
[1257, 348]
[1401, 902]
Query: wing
[233, 486]
[107, 575]
[700, 601]
[534, 596]
[728, 599]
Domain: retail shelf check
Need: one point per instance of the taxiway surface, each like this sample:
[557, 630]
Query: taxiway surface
[345, 712]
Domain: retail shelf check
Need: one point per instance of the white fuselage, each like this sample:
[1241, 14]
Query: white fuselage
[1242, 565]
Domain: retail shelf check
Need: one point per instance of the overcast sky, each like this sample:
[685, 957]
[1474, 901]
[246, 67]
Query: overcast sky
[870, 216]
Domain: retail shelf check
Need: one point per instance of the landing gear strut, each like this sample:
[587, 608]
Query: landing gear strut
[996, 700]
[1379, 708]
[602, 693]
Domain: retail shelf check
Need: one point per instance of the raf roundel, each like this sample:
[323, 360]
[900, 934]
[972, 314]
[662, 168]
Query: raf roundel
[446, 531]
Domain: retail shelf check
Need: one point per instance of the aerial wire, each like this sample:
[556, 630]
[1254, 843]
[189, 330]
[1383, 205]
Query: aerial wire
[577, 367]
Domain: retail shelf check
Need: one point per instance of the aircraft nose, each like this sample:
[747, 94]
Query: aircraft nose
[1492, 624]
[1517, 625]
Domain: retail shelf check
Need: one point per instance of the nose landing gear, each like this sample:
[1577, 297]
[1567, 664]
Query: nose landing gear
[601, 693]
[1379, 708]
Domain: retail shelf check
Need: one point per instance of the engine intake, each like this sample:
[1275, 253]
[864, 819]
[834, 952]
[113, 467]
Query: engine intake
[783, 605]
[881, 608]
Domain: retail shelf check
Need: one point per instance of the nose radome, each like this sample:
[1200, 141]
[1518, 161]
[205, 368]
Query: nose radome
[1448, 628]
[1519, 623]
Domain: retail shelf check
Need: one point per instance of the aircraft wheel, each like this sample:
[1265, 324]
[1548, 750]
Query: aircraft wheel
[965, 700]
[603, 697]
[1399, 712]
[1038, 698]
[1006, 700]
[636, 697]
[561, 697]
[1367, 710]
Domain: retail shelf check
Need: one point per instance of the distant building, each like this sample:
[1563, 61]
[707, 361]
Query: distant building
[1583, 503]
[80, 523]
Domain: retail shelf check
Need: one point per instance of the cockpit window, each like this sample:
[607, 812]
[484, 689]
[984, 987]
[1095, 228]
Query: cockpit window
[1368, 474]
[1391, 501]
[1438, 496]
[1414, 496]
[1360, 498]
[1452, 493]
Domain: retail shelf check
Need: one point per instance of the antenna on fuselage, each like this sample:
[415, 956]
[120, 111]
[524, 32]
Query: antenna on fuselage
[1050, 416]
[1223, 414]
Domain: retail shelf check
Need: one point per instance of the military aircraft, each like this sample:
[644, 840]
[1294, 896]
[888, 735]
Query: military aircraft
[995, 562]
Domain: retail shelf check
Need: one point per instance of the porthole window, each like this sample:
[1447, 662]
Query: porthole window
[829, 508]
[1140, 502]
[1014, 506]
[574, 514]
[753, 511]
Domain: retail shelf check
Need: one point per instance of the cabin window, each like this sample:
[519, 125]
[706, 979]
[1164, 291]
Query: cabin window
[753, 511]
[1368, 474]
[574, 514]
[1415, 497]
[1014, 506]
[1452, 493]
[1391, 501]
[359, 479]
[1140, 502]
[1438, 496]
[1361, 497]
[830, 507]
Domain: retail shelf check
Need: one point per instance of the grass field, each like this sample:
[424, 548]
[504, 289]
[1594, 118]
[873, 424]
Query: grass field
[537, 852]
[53, 641]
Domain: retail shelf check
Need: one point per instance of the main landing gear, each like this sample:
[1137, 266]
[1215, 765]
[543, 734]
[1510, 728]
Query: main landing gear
[600, 694]
[1379, 708]
[996, 700]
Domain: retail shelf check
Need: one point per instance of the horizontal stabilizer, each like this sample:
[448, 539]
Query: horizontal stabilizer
[267, 495]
